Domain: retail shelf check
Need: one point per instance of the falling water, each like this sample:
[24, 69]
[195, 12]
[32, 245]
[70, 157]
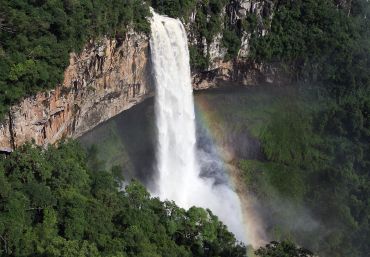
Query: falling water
[179, 172]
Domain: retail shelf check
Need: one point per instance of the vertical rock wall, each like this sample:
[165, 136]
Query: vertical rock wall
[107, 78]
[242, 70]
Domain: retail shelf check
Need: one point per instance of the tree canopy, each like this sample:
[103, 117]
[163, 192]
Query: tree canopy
[51, 204]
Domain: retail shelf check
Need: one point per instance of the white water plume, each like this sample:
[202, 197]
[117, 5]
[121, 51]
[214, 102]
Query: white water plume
[179, 172]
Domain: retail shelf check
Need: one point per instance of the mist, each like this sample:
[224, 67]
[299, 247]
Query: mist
[221, 142]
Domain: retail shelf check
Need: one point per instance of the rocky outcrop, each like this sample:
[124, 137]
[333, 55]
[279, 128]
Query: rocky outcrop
[107, 78]
[240, 71]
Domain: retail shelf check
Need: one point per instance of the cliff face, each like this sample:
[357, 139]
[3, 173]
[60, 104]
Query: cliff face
[107, 78]
[241, 70]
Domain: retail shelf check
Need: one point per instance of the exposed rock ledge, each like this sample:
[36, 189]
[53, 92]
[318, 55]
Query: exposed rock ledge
[107, 78]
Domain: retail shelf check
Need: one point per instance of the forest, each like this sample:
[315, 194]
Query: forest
[321, 138]
[53, 204]
[310, 169]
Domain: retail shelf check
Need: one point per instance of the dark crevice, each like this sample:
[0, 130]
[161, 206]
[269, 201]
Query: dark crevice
[11, 132]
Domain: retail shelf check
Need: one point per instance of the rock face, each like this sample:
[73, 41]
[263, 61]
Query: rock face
[107, 78]
[240, 71]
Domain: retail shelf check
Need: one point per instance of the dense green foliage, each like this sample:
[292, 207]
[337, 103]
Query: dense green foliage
[309, 171]
[316, 147]
[51, 204]
[208, 22]
[36, 38]
[174, 8]
[320, 41]
[317, 157]
[283, 249]
[232, 42]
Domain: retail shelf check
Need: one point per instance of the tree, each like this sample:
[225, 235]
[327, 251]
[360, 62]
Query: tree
[282, 249]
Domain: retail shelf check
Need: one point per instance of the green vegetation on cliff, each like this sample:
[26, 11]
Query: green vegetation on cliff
[174, 8]
[52, 204]
[207, 24]
[36, 38]
[321, 41]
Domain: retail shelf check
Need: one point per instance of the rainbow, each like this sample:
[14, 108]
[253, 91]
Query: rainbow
[211, 123]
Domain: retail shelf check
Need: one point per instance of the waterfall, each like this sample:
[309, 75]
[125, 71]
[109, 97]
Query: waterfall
[178, 169]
